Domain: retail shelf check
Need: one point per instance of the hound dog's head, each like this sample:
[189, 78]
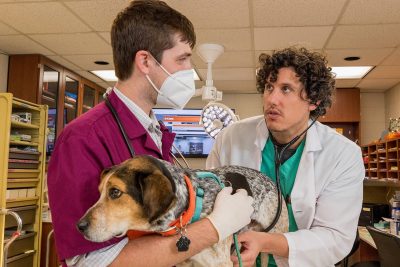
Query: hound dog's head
[132, 195]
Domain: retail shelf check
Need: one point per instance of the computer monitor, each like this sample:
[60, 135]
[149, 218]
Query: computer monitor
[190, 139]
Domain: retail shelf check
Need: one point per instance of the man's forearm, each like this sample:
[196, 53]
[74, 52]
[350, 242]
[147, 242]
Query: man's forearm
[276, 244]
[161, 251]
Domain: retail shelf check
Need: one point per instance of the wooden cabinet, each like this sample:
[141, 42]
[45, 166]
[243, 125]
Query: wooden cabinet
[345, 115]
[382, 161]
[37, 79]
[22, 165]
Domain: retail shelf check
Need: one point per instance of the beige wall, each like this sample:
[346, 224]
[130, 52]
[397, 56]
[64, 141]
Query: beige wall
[3, 72]
[372, 116]
[392, 104]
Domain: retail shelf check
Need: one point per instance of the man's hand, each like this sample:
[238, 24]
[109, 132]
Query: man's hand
[252, 245]
[231, 212]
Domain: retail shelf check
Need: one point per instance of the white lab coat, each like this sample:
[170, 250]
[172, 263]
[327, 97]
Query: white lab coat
[327, 193]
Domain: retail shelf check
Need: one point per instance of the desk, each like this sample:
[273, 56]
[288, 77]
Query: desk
[367, 250]
[365, 236]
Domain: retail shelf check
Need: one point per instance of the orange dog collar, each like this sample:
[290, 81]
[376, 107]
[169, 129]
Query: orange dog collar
[180, 222]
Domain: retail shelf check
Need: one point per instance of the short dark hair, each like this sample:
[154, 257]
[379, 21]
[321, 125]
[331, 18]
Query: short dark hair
[146, 25]
[310, 67]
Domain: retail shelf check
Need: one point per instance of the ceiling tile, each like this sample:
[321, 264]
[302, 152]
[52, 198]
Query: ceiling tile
[106, 36]
[211, 14]
[6, 30]
[74, 44]
[86, 62]
[237, 39]
[47, 17]
[377, 84]
[384, 72]
[347, 83]
[365, 36]
[393, 59]
[232, 74]
[368, 57]
[296, 13]
[371, 12]
[19, 44]
[228, 59]
[99, 14]
[280, 37]
[62, 61]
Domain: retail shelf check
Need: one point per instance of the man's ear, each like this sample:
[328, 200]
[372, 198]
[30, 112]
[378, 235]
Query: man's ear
[143, 61]
[313, 105]
[157, 193]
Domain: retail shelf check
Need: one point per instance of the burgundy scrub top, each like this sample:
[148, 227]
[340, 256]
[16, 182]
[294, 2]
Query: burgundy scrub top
[89, 144]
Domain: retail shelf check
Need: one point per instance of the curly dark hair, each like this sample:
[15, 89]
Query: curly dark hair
[310, 67]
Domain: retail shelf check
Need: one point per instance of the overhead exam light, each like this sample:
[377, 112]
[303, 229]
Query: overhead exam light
[209, 53]
[215, 117]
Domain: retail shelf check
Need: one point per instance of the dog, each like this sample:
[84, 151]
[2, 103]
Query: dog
[147, 194]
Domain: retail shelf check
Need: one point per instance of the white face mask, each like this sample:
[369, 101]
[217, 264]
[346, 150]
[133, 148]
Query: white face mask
[176, 90]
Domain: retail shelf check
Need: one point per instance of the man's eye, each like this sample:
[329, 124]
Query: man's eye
[114, 193]
[286, 89]
[268, 87]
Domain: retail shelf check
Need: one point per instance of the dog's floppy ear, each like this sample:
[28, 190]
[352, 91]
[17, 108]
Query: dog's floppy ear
[103, 175]
[157, 194]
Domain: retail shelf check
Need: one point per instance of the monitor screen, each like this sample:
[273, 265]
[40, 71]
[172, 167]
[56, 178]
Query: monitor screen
[190, 139]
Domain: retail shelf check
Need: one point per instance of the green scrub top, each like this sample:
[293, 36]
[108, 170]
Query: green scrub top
[287, 174]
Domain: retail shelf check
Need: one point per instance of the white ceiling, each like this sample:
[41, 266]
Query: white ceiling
[76, 33]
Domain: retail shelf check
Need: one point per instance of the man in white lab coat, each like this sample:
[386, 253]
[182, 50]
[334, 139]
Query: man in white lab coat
[320, 171]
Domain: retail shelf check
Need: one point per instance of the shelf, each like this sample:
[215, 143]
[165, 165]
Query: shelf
[23, 143]
[21, 188]
[70, 106]
[70, 100]
[21, 202]
[23, 125]
[24, 104]
[22, 183]
[380, 182]
[48, 93]
[49, 99]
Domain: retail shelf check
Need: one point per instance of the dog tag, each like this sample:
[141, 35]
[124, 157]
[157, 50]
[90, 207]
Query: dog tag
[183, 243]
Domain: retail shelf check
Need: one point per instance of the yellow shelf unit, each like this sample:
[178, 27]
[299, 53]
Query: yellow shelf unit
[21, 184]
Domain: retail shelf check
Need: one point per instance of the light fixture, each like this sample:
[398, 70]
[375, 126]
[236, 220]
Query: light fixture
[106, 75]
[209, 53]
[351, 72]
[101, 62]
[215, 117]
[109, 75]
[352, 58]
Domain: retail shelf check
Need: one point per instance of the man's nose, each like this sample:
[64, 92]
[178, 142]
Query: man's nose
[272, 96]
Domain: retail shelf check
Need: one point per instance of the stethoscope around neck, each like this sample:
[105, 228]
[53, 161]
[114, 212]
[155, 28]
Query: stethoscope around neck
[278, 162]
[126, 139]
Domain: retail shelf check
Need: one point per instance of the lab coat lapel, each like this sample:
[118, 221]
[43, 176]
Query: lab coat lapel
[259, 143]
[303, 193]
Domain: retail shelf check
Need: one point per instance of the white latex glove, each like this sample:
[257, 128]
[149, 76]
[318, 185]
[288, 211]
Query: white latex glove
[231, 212]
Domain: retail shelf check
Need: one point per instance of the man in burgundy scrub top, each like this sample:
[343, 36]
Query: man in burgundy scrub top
[152, 45]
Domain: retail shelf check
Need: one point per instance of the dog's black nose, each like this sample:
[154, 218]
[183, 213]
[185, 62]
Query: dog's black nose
[82, 225]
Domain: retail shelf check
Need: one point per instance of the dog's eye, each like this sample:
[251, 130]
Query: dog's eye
[114, 193]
